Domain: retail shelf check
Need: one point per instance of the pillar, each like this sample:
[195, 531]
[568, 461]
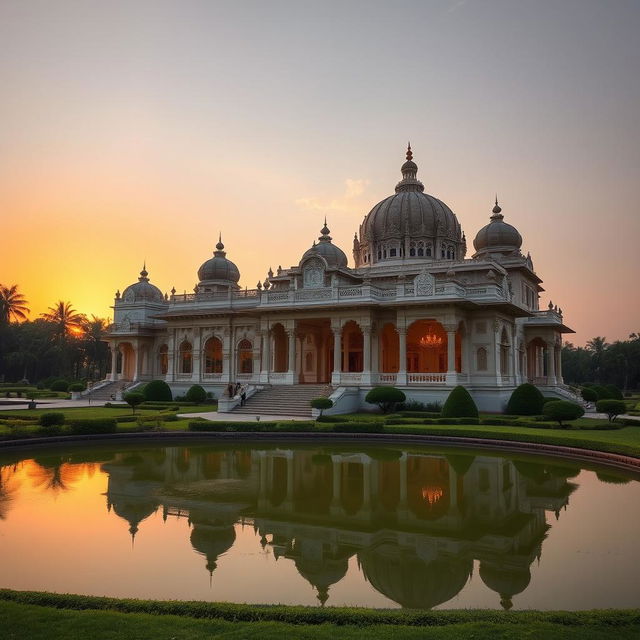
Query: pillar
[337, 350]
[196, 356]
[366, 355]
[551, 363]
[402, 364]
[452, 375]
[114, 362]
[266, 356]
[291, 366]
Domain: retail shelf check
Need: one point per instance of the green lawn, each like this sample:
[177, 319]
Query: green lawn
[41, 616]
[79, 413]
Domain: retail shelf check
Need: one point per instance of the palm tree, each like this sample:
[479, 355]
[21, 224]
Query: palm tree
[597, 346]
[13, 305]
[67, 320]
[94, 348]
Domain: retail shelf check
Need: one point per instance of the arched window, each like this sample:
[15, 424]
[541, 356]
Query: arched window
[451, 254]
[481, 359]
[245, 356]
[163, 359]
[213, 356]
[428, 251]
[186, 357]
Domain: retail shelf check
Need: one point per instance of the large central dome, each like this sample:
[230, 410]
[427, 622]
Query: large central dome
[409, 225]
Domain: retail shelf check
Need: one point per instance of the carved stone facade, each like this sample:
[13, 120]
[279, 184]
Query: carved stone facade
[414, 313]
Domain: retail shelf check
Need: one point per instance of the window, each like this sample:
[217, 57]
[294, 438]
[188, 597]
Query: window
[481, 359]
[392, 253]
[186, 357]
[245, 357]
[213, 356]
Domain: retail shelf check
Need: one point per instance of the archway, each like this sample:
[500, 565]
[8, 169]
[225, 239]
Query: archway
[126, 361]
[426, 347]
[352, 348]
[389, 349]
[245, 357]
[280, 348]
[212, 356]
[536, 361]
[185, 358]
[163, 360]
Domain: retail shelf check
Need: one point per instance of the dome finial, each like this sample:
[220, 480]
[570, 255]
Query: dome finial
[409, 171]
[496, 211]
[409, 152]
[220, 246]
[324, 231]
[144, 273]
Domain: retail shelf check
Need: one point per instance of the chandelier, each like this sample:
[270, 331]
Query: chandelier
[430, 340]
[432, 494]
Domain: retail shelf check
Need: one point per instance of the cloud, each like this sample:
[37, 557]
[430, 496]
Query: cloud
[352, 189]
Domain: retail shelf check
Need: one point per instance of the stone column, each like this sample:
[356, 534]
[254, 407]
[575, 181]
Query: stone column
[366, 355]
[227, 369]
[291, 366]
[136, 360]
[452, 375]
[266, 356]
[551, 363]
[375, 356]
[496, 354]
[196, 370]
[559, 377]
[337, 360]
[113, 376]
[345, 353]
[171, 357]
[402, 364]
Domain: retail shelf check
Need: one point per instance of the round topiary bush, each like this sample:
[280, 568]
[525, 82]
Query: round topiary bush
[51, 419]
[614, 392]
[603, 392]
[76, 386]
[321, 403]
[588, 394]
[196, 394]
[60, 385]
[385, 397]
[562, 410]
[613, 408]
[526, 400]
[158, 390]
[133, 399]
[459, 404]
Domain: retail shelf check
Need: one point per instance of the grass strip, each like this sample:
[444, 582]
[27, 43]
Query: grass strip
[611, 618]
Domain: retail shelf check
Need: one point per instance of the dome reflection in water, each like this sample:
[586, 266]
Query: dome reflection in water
[380, 527]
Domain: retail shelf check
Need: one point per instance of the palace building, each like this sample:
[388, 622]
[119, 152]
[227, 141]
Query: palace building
[414, 311]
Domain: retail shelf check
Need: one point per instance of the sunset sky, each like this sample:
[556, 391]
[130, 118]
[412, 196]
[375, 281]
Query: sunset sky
[140, 129]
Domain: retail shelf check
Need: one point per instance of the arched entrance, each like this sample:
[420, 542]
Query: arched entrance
[389, 349]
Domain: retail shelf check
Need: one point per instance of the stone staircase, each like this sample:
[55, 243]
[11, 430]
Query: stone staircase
[103, 394]
[284, 400]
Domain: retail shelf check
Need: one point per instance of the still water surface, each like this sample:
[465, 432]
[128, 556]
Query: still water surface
[380, 527]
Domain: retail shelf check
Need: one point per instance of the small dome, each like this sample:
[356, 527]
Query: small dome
[335, 257]
[507, 581]
[219, 267]
[497, 236]
[142, 290]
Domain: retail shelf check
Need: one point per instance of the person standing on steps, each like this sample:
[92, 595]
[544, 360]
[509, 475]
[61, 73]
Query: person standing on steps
[243, 395]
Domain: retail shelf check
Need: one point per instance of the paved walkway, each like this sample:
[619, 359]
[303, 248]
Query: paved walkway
[239, 417]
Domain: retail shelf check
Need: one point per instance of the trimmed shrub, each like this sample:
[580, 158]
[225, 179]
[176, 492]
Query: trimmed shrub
[546, 399]
[60, 385]
[351, 426]
[93, 426]
[196, 394]
[419, 414]
[76, 386]
[614, 392]
[526, 400]
[603, 392]
[562, 410]
[459, 404]
[51, 419]
[50, 430]
[133, 399]
[385, 397]
[158, 390]
[170, 417]
[613, 408]
[321, 404]
[588, 394]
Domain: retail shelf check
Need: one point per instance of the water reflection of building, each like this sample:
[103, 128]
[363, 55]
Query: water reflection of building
[415, 522]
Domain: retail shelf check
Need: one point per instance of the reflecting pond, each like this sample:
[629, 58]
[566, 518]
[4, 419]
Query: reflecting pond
[341, 525]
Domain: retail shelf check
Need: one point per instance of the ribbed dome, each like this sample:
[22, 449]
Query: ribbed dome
[406, 579]
[142, 290]
[409, 219]
[508, 582]
[219, 267]
[497, 236]
[335, 257]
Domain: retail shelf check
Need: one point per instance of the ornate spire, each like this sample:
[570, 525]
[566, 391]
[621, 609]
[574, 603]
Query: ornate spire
[409, 170]
[219, 252]
[497, 215]
[325, 237]
[143, 274]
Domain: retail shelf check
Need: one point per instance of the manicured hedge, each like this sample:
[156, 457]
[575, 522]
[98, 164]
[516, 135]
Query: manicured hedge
[158, 390]
[51, 419]
[92, 426]
[420, 414]
[196, 394]
[351, 426]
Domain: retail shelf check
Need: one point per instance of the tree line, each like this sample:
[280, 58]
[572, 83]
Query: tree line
[61, 343]
[602, 363]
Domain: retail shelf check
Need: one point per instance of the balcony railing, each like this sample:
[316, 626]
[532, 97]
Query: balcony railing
[426, 378]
